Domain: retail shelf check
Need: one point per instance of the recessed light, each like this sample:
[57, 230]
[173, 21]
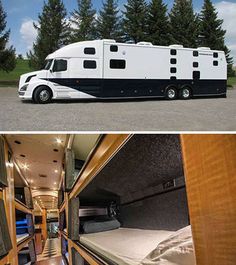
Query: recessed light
[55, 183]
[56, 171]
[55, 150]
[59, 141]
[17, 142]
[25, 166]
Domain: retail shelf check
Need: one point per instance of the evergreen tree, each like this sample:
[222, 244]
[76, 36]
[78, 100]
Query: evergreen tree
[211, 33]
[84, 21]
[135, 21]
[7, 55]
[53, 32]
[184, 24]
[158, 23]
[108, 22]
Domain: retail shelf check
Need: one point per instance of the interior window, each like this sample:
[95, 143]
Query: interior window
[60, 66]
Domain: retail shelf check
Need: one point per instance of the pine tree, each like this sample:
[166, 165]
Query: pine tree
[184, 24]
[84, 21]
[158, 27]
[108, 22]
[53, 32]
[134, 22]
[7, 55]
[211, 33]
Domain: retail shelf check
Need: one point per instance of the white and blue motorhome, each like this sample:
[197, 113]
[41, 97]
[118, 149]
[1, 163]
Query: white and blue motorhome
[106, 69]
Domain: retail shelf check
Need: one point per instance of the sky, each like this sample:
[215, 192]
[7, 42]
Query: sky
[22, 13]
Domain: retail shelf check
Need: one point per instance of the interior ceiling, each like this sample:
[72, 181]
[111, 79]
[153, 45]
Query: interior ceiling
[83, 144]
[39, 158]
[46, 202]
[143, 163]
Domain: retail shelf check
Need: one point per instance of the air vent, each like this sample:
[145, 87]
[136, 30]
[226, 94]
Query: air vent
[42, 176]
[144, 43]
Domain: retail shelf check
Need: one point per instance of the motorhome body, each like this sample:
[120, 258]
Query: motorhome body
[106, 69]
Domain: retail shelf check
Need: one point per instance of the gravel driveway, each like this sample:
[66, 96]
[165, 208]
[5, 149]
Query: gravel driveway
[206, 114]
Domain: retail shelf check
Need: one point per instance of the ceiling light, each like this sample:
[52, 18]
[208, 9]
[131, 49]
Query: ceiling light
[55, 183]
[25, 166]
[56, 171]
[59, 141]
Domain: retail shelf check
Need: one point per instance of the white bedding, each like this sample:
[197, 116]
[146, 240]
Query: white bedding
[124, 246]
[21, 237]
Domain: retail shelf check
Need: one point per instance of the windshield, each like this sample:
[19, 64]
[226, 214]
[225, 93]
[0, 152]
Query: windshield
[48, 64]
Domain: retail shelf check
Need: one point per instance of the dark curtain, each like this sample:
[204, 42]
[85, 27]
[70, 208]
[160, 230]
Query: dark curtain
[30, 224]
[32, 251]
[61, 220]
[5, 239]
[73, 219]
[28, 198]
[3, 169]
[69, 169]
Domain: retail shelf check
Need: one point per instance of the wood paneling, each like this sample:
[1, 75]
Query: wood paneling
[210, 171]
[108, 147]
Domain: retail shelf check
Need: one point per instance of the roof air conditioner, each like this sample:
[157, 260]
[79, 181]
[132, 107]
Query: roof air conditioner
[144, 43]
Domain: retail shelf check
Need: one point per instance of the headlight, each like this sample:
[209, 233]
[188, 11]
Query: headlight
[24, 88]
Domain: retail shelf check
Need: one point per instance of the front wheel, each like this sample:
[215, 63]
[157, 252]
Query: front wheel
[171, 93]
[185, 93]
[42, 95]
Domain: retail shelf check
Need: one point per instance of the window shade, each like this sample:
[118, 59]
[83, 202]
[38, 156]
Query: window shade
[3, 170]
[5, 240]
[73, 219]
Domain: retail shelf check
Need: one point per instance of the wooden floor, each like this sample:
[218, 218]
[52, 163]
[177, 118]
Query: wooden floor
[52, 261]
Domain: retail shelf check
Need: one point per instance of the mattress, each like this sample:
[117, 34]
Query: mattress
[21, 237]
[124, 245]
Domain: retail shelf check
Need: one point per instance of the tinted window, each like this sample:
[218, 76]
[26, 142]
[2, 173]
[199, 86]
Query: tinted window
[215, 63]
[173, 52]
[173, 70]
[173, 61]
[215, 55]
[60, 66]
[89, 51]
[195, 53]
[48, 64]
[117, 64]
[90, 64]
[195, 64]
[196, 75]
[114, 48]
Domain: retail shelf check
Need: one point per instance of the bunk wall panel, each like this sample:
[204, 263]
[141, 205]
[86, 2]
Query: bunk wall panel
[5, 240]
[73, 218]
[69, 169]
[210, 170]
[3, 169]
[167, 211]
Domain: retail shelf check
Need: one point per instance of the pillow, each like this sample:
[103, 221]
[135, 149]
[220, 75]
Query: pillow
[96, 226]
[177, 249]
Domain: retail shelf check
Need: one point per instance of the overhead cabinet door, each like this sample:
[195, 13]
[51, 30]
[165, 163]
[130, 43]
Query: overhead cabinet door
[3, 170]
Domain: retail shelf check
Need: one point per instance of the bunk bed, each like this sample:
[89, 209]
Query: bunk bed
[134, 205]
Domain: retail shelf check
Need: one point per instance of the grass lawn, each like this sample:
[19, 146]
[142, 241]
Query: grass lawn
[231, 82]
[12, 78]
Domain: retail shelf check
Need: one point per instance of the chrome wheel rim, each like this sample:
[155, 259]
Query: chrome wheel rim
[186, 93]
[171, 93]
[44, 95]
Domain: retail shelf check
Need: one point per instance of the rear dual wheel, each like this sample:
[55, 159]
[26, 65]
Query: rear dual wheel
[184, 93]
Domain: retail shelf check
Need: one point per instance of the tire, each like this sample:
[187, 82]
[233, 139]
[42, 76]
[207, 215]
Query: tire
[42, 95]
[185, 93]
[171, 93]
